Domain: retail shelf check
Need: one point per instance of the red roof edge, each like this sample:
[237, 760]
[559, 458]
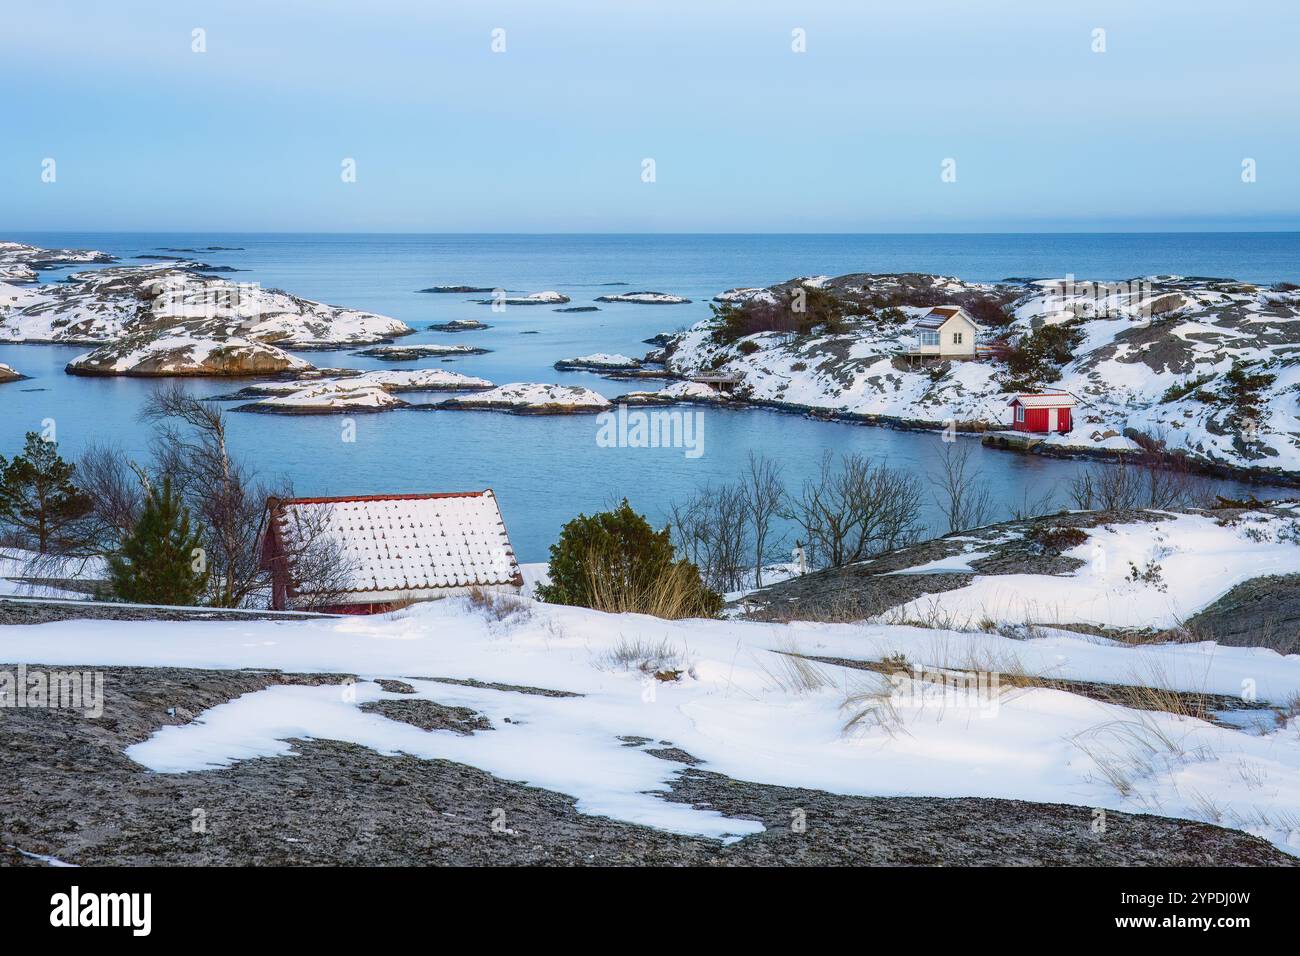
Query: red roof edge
[325, 500]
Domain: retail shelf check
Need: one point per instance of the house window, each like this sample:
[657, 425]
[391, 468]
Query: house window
[929, 338]
[956, 338]
[1020, 413]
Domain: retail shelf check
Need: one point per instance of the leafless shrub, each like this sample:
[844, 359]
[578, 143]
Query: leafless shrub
[1154, 481]
[1032, 505]
[764, 498]
[711, 528]
[959, 490]
[854, 510]
[117, 488]
[322, 568]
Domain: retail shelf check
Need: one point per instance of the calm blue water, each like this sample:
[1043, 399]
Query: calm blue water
[545, 470]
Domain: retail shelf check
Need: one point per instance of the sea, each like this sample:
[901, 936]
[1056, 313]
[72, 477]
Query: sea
[546, 470]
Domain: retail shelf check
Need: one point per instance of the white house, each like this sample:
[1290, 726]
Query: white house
[946, 332]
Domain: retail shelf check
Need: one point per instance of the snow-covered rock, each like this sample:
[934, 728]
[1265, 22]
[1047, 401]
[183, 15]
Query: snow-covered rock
[110, 304]
[9, 374]
[549, 297]
[391, 380]
[677, 392]
[327, 398]
[409, 353]
[599, 362]
[645, 298]
[532, 399]
[20, 262]
[175, 352]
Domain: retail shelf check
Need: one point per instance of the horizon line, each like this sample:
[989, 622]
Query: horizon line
[407, 232]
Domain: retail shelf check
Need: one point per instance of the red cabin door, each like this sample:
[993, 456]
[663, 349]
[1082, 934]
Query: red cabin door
[1062, 419]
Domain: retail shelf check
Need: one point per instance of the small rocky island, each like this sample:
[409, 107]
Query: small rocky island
[526, 398]
[645, 298]
[173, 319]
[599, 362]
[410, 353]
[20, 262]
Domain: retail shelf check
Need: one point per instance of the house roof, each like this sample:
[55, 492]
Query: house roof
[939, 315]
[1045, 400]
[405, 544]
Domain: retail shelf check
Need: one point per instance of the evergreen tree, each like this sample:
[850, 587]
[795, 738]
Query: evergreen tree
[157, 562]
[39, 504]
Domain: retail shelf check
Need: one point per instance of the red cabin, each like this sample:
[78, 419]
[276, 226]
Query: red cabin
[369, 554]
[1043, 412]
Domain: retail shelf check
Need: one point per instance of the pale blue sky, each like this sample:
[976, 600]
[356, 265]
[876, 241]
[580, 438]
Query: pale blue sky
[747, 135]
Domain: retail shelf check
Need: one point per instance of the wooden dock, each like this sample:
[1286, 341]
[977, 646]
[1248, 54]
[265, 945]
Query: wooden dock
[1013, 441]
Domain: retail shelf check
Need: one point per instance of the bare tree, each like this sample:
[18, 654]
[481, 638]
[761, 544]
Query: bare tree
[317, 557]
[850, 512]
[227, 500]
[959, 491]
[712, 530]
[117, 487]
[765, 496]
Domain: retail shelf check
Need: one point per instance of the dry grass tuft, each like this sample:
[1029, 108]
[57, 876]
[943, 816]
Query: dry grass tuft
[655, 659]
[673, 593]
[500, 606]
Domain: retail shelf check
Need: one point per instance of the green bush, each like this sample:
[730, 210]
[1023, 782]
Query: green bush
[1244, 388]
[614, 561]
[1186, 387]
[798, 312]
[1038, 356]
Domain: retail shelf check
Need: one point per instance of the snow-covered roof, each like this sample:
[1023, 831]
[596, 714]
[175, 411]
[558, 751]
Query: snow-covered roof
[407, 545]
[939, 315]
[1045, 400]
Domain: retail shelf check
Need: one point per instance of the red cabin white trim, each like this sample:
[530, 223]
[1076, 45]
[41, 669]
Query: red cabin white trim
[1044, 412]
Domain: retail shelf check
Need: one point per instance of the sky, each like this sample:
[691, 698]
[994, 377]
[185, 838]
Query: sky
[1044, 131]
